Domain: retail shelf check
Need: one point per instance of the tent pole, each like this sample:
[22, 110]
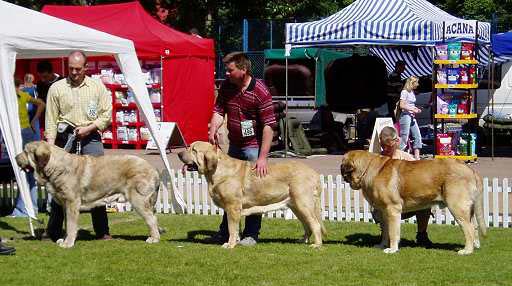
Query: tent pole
[162, 89]
[286, 108]
[492, 104]
[31, 227]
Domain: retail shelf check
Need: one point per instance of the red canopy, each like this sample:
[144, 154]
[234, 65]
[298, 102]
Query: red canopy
[131, 21]
[188, 61]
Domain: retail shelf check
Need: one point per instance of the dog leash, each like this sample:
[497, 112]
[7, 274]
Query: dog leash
[69, 144]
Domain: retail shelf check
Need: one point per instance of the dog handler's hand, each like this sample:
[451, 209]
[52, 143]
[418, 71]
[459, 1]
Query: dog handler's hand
[261, 167]
[82, 132]
[213, 139]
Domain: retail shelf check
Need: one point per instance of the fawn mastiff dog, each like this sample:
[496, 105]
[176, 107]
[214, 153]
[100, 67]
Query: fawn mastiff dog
[83, 182]
[235, 186]
[396, 186]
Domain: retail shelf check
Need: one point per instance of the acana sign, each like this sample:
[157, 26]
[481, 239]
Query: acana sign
[459, 28]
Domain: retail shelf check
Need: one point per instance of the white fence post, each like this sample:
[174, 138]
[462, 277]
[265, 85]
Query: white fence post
[197, 199]
[505, 190]
[330, 193]
[486, 200]
[339, 188]
[348, 209]
[495, 207]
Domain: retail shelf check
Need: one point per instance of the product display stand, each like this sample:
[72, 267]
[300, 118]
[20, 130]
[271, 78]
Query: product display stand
[455, 100]
[127, 125]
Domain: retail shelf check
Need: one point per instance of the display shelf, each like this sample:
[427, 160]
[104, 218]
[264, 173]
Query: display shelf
[129, 107]
[456, 132]
[455, 116]
[463, 158]
[452, 62]
[460, 86]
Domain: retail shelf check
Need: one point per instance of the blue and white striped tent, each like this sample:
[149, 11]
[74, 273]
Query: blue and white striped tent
[384, 22]
[387, 26]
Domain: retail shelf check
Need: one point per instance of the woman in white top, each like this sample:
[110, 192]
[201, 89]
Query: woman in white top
[408, 123]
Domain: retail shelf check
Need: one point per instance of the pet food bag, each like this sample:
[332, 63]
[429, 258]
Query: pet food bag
[452, 75]
[467, 51]
[444, 144]
[472, 74]
[441, 76]
[472, 143]
[122, 133]
[452, 108]
[442, 52]
[463, 76]
[462, 107]
[454, 51]
[442, 106]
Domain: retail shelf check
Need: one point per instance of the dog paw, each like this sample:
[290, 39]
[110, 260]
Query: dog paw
[315, 246]
[152, 240]
[228, 246]
[64, 244]
[464, 252]
[390, 250]
[476, 244]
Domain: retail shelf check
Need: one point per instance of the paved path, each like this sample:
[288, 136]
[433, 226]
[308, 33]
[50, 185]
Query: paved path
[500, 167]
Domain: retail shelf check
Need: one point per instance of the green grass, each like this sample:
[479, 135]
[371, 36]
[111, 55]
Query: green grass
[279, 259]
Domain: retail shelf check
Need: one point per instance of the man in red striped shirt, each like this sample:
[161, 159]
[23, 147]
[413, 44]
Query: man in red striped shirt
[248, 105]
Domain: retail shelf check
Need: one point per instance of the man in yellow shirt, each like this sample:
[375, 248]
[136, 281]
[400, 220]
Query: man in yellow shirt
[79, 106]
[28, 134]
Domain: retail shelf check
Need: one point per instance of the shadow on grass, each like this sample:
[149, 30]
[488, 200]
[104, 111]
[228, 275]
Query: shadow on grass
[368, 240]
[192, 237]
[5, 226]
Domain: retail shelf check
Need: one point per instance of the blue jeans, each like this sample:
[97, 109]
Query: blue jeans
[27, 135]
[252, 222]
[409, 125]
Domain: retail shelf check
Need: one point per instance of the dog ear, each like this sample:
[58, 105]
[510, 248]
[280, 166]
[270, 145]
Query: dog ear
[211, 161]
[346, 168]
[42, 155]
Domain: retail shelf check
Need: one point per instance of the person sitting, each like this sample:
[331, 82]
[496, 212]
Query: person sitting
[324, 127]
[390, 142]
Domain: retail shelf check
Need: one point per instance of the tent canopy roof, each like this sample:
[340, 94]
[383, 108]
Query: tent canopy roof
[48, 36]
[502, 44]
[25, 33]
[131, 21]
[395, 22]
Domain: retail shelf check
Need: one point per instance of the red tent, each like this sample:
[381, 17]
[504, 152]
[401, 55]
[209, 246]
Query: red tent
[188, 61]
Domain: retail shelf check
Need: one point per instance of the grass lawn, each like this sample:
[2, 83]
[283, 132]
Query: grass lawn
[181, 258]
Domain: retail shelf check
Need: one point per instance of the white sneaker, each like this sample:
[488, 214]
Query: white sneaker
[247, 241]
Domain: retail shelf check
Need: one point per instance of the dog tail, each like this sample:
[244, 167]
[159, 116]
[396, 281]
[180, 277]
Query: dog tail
[479, 205]
[318, 208]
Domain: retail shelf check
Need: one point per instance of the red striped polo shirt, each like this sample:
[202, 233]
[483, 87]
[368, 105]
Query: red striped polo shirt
[253, 104]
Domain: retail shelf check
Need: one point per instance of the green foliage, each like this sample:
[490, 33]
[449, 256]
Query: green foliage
[347, 258]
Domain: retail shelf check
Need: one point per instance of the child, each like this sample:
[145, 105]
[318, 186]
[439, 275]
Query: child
[390, 143]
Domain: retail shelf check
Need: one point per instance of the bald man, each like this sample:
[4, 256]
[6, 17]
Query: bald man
[78, 107]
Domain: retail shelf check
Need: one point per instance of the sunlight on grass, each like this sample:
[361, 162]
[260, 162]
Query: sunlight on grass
[182, 257]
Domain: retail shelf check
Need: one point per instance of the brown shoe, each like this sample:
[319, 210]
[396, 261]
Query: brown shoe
[105, 237]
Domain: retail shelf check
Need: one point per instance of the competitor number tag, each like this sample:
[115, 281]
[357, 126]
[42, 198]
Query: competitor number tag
[247, 128]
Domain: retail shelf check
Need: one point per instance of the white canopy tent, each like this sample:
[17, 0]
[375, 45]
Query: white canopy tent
[26, 34]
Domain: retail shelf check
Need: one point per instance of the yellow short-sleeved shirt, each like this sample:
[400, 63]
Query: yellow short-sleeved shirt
[23, 99]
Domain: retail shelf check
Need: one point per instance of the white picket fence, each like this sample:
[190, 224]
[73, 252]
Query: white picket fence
[339, 201]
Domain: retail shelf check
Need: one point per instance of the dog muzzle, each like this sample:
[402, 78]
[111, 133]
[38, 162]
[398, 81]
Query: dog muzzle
[189, 167]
